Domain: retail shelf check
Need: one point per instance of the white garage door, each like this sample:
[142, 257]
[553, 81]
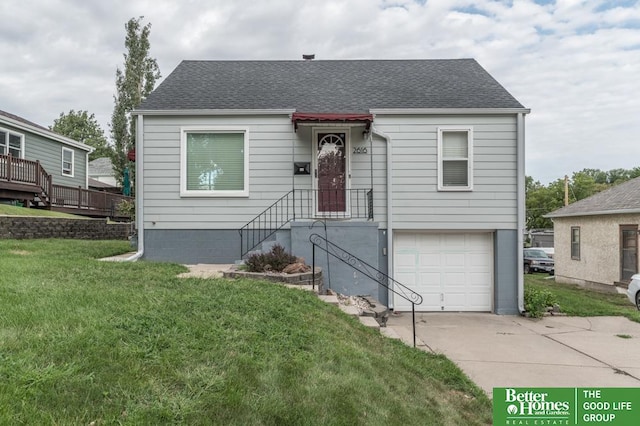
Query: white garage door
[451, 271]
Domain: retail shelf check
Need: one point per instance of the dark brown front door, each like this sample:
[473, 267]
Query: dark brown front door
[628, 251]
[332, 172]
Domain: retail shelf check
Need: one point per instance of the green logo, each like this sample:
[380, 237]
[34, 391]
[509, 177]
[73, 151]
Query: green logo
[566, 406]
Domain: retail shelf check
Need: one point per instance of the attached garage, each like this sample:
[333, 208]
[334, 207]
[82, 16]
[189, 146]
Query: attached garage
[452, 271]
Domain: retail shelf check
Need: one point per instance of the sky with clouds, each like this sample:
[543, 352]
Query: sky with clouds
[574, 63]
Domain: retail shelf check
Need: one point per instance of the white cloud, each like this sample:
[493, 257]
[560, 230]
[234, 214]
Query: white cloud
[573, 62]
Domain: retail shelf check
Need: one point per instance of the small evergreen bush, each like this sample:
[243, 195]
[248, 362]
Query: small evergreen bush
[275, 260]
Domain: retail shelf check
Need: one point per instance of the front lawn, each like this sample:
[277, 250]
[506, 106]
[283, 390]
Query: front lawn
[85, 341]
[577, 301]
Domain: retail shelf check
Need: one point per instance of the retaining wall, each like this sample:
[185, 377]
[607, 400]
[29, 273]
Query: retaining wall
[26, 227]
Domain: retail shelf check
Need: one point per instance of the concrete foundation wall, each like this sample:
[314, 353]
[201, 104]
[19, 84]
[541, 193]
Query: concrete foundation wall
[192, 246]
[358, 238]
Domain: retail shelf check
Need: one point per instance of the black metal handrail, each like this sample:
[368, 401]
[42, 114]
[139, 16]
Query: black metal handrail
[306, 204]
[367, 270]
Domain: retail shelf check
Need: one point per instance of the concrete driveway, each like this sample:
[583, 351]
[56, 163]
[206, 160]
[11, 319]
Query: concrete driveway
[513, 351]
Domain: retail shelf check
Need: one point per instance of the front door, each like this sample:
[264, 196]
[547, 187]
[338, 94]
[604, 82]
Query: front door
[628, 251]
[331, 173]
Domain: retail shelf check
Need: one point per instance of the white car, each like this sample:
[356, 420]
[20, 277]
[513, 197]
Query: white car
[633, 292]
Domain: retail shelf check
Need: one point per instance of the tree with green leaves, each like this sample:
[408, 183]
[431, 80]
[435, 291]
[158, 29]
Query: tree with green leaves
[132, 85]
[83, 127]
[541, 199]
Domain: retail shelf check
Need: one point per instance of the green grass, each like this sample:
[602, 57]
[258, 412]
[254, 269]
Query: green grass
[577, 301]
[8, 210]
[85, 341]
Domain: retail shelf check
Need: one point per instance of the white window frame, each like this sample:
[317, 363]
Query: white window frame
[469, 159]
[184, 192]
[5, 143]
[73, 161]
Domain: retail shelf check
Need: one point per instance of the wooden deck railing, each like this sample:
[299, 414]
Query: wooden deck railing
[14, 169]
[97, 203]
[59, 197]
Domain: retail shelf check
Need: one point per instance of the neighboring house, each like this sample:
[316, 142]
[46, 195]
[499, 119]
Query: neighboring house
[596, 239]
[63, 158]
[540, 237]
[414, 166]
[101, 175]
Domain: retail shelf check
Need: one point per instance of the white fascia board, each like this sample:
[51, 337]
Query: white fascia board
[448, 111]
[595, 213]
[214, 112]
[46, 133]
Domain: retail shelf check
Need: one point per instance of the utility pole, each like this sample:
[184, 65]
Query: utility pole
[566, 190]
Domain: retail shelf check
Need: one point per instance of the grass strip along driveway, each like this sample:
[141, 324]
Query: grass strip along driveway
[85, 341]
[580, 302]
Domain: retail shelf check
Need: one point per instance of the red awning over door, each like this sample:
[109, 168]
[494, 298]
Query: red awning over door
[299, 117]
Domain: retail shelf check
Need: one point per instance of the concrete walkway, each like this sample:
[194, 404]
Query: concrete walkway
[513, 351]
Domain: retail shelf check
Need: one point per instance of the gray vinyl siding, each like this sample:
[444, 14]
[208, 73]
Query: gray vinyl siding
[417, 203]
[49, 153]
[274, 146]
[271, 151]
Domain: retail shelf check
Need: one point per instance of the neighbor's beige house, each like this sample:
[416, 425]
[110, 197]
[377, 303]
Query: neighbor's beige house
[596, 239]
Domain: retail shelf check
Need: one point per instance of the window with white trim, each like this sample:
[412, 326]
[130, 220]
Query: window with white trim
[455, 158]
[67, 161]
[214, 162]
[11, 143]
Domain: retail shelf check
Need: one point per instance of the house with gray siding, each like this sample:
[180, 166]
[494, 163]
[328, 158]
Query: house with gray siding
[63, 158]
[414, 167]
[596, 239]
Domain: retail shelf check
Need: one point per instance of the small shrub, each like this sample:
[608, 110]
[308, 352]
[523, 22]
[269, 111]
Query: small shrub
[275, 260]
[127, 208]
[537, 301]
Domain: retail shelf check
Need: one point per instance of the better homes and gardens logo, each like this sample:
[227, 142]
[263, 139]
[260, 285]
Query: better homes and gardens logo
[546, 406]
[566, 406]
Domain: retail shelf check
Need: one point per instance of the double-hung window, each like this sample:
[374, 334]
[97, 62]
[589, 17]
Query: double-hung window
[455, 158]
[11, 143]
[214, 162]
[575, 242]
[67, 162]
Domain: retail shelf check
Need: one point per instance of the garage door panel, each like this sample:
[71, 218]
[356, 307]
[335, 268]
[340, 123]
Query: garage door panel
[426, 242]
[479, 280]
[454, 259]
[405, 259]
[452, 271]
[429, 259]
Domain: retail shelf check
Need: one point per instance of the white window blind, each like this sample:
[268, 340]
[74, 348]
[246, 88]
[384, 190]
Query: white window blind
[455, 159]
[215, 162]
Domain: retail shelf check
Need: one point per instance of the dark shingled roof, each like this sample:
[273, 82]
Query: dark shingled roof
[622, 198]
[342, 86]
[24, 121]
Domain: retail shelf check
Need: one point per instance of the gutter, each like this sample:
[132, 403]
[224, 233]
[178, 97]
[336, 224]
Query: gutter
[139, 189]
[592, 213]
[389, 205]
[521, 208]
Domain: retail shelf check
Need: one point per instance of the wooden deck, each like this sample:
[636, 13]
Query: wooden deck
[27, 181]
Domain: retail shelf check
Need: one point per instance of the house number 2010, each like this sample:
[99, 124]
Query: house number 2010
[360, 150]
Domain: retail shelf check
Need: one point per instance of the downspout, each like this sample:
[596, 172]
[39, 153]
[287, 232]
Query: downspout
[139, 189]
[387, 138]
[521, 208]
